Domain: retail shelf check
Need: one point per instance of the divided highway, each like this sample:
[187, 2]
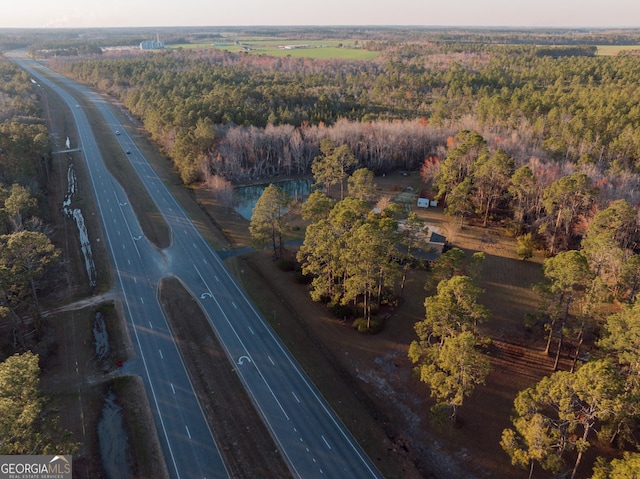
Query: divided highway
[311, 438]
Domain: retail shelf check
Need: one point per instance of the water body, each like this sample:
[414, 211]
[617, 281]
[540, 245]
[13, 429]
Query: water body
[101, 337]
[113, 440]
[78, 218]
[246, 197]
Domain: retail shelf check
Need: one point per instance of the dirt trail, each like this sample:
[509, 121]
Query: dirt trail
[82, 303]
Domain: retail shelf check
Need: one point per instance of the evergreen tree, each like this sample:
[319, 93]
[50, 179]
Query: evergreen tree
[267, 221]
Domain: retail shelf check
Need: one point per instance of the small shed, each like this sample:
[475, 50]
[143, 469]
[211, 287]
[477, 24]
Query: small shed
[423, 202]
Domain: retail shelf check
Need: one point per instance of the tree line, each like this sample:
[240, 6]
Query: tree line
[26, 253]
[26, 250]
[566, 107]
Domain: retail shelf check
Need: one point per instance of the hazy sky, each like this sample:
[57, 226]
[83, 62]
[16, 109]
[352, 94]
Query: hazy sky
[127, 13]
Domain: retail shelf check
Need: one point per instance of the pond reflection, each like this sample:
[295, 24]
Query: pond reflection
[245, 197]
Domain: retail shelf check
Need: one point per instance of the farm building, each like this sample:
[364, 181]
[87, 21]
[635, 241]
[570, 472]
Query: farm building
[152, 44]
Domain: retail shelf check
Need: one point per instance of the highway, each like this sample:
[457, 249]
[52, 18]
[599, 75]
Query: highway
[308, 433]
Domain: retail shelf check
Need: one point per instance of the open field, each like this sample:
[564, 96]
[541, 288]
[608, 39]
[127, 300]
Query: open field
[275, 47]
[610, 50]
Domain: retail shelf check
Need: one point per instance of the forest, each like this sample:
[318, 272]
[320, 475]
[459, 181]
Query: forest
[555, 111]
[27, 257]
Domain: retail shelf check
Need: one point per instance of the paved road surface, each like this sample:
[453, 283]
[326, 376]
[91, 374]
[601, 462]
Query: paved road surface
[312, 439]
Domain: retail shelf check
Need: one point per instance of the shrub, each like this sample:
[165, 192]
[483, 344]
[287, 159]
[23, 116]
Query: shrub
[285, 264]
[301, 278]
[341, 311]
[525, 246]
[375, 325]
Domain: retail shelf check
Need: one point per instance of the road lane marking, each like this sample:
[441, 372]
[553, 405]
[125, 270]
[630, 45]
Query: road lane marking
[141, 300]
[264, 380]
[234, 305]
[251, 330]
[188, 433]
[160, 351]
[150, 325]
[325, 441]
[172, 388]
[296, 397]
[271, 360]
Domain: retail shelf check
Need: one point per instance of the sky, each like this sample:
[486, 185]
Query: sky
[150, 13]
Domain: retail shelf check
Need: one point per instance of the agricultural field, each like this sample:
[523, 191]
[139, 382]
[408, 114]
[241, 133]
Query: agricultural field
[612, 50]
[342, 49]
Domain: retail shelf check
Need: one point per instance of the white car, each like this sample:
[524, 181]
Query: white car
[117, 132]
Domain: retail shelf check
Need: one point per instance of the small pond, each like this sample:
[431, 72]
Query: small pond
[245, 197]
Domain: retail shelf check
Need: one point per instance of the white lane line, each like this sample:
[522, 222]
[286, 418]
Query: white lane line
[325, 441]
[251, 330]
[162, 357]
[234, 305]
[242, 344]
[296, 398]
[172, 388]
[150, 325]
[188, 433]
[271, 360]
[217, 279]
[141, 300]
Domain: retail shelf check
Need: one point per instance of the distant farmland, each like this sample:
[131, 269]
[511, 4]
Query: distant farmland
[289, 47]
[610, 50]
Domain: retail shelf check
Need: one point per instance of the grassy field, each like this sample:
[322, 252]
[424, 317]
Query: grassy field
[611, 50]
[275, 47]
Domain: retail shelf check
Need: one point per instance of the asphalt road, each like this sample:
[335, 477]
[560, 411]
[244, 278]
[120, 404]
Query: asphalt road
[310, 436]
